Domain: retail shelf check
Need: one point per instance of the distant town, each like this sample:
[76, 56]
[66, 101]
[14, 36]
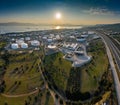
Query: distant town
[71, 43]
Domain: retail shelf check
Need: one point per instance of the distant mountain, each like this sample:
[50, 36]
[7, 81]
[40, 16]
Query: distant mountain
[115, 24]
[15, 24]
[31, 24]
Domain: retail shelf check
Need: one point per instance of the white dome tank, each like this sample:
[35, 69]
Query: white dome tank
[49, 40]
[27, 38]
[14, 46]
[19, 42]
[35, 43]
[24, 45]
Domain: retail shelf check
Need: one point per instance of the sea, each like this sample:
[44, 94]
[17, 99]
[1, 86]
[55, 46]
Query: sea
[15, 28]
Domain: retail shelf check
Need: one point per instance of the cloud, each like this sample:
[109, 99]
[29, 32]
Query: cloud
[100, 11]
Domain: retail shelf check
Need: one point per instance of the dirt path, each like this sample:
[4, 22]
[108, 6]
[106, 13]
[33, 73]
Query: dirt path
[20, 95]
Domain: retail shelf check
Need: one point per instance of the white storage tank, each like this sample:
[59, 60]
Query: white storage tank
[51, 35]
[52, 46]
[57, 36]
[22, 39]
[19, 42]
[72, 37]
[44, 37]
[14, 46]
[27, 38]
[13, 39]
[85, 36]
[81, 40]
[90, 32]
[54, 39]
[35, 43]
[49, 40]
[24, 45]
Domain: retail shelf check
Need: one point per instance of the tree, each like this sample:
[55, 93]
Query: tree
[29, 98]
[61, 101]
[35, 98]
[6, 56]
[56, 96]
[19, 82]
[26, 102]
[15, 82]
[5, 103]
[86, 70]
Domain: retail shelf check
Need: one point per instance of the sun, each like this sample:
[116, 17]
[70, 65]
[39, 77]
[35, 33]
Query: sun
[58, 15]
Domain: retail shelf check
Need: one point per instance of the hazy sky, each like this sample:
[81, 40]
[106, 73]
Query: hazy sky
[73, 11]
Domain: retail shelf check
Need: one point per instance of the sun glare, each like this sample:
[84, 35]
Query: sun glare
[57, 27]
[58, 15]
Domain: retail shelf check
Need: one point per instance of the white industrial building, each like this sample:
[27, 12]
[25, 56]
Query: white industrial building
[70, 46]
[79, 52]
[54, 39]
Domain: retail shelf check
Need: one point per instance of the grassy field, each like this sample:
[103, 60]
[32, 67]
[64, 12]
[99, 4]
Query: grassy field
[58, 68]
[22, 74]
[83, 79]
[42, 99]
[2, 44]
[47, 99]
[13, 101]
[2, 62]
[92, 73]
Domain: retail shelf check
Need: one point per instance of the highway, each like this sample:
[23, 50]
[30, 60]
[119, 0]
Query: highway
[112, 52]
[117, 43]
[114, 48]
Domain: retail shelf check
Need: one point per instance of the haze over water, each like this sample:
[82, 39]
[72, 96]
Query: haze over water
[14, 28]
